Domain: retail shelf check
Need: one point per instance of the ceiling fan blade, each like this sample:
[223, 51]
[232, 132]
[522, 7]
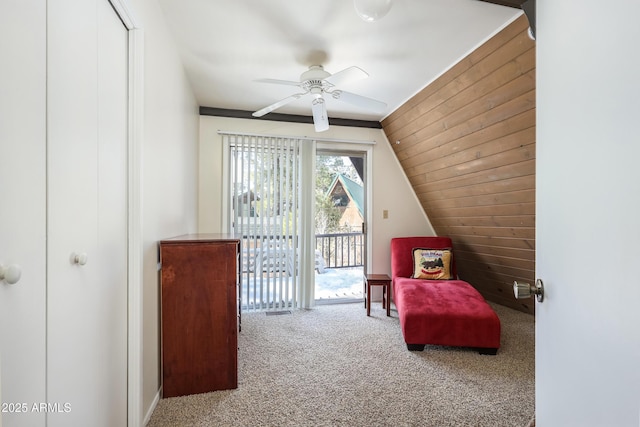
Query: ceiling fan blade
[278, 82]
[320, 119]
[276, 105]
[359, 101]
[347, 76]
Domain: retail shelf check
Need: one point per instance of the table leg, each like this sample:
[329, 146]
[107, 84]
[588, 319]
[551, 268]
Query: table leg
[364, 285]
[368, 299]
[384, 296]
[387, 287]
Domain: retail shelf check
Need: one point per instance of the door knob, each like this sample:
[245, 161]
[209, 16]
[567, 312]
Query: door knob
[525, 290]
[79, 259]
[10, 274]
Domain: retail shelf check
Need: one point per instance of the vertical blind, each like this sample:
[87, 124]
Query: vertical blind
[268, 206]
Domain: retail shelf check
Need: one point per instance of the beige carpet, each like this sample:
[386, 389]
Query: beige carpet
[334, 366]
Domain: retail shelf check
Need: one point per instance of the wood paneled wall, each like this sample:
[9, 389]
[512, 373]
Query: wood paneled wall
[467, 145]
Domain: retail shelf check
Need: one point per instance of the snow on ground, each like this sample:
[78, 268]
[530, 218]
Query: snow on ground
[340, 283]
[333, 284]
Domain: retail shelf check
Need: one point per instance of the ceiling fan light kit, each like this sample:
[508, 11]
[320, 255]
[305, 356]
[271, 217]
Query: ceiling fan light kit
[372, 10]
[316, 82]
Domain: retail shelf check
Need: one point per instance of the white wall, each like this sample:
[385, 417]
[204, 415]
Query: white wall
[169, 177]
[390, 188]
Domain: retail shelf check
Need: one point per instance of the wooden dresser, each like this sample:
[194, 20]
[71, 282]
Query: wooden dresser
[199, 310]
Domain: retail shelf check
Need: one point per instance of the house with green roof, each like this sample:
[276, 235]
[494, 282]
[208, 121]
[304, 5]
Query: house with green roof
[348, 196]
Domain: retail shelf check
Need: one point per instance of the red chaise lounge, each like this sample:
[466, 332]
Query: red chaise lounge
[439, 312]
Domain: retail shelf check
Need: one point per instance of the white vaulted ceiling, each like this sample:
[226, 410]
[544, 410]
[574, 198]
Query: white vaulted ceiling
[226, 45]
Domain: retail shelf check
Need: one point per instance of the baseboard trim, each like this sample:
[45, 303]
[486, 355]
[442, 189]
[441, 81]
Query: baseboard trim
[152, 407]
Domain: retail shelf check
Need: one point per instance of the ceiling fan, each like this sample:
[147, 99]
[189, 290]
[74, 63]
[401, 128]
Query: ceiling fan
[317, 82]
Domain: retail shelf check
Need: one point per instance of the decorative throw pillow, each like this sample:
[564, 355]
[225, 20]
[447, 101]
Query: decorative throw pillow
[434, 264]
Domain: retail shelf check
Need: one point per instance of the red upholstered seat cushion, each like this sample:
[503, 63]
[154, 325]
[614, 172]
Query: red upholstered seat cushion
[450, 312]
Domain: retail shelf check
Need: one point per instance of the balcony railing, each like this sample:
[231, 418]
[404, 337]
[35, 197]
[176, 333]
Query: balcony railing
[341, 250]
[335, 250]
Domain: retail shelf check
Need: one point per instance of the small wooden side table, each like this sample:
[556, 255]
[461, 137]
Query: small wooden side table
[378, 280]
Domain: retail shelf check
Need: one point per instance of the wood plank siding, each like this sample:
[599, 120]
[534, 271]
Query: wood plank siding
[467, 145]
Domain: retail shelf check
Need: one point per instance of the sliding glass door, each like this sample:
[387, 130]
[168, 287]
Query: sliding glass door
[300, 208]
[340, 214]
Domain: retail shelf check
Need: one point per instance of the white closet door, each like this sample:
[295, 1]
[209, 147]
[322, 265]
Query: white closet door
[87, 131]
[22, 215]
